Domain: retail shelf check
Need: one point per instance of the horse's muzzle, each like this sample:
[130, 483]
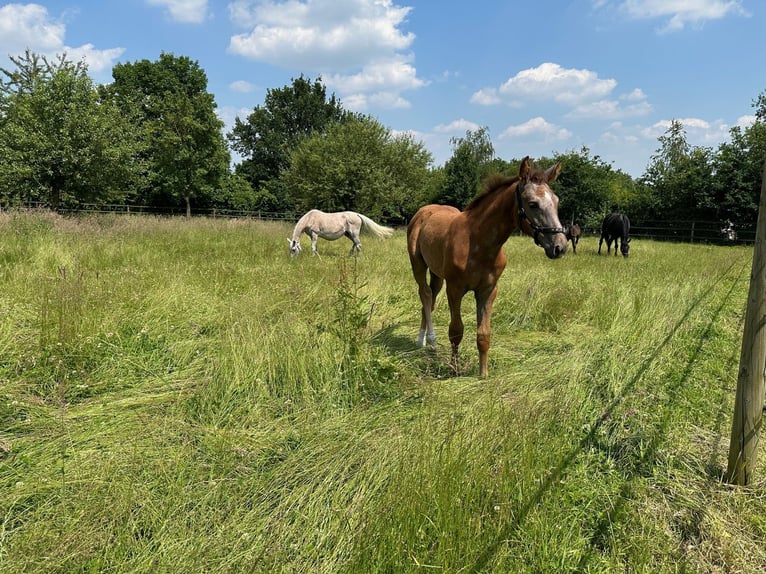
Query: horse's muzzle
[555, 250]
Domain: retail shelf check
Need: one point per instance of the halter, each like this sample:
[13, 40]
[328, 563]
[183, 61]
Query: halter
[536, 228]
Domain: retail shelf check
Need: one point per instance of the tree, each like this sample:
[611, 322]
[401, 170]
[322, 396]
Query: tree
[470, 163]
[268, 136]
[60, 143]
[358, 165]
[678, 176]
[186, 152]
[586, 187]
[737, 168]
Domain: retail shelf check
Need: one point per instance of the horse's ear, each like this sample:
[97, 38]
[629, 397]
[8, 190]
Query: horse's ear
[552, 173]
[290, 241]
[524, 168]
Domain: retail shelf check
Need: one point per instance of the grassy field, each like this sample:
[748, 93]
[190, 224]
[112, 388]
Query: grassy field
[181, 396]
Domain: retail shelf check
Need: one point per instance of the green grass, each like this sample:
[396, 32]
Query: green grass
[182, 396]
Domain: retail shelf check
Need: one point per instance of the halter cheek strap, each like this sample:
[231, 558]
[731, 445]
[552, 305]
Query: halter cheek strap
[537, 229]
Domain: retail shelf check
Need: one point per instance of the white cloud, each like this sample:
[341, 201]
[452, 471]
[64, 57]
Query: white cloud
[457, 126]
[357, 46]
[537, 127]
[242, 86]
[698, 131]
[630, 105]
[745, 121]
[376, 84]
[486, 97]
[321, 34]
[30, 26]
[548, 81]
[186, 11]
[23, 25]
[678, 13]
[393, 74]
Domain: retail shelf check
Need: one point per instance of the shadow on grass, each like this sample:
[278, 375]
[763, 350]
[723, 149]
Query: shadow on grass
[598, 539]
[427, 360]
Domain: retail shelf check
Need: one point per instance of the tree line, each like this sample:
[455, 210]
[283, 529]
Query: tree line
[151, 137]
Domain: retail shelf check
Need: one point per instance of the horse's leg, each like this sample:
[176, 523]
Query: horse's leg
[357, 245]
[456, 327]
[600, 241]
[484, 302]
[419, 271]
[436, 286]
[314, 237]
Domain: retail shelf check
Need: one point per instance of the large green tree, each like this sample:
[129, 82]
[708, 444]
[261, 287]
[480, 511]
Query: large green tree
[186, 154]
[588, 187]
[60, 143]
[471, 162]
[359, 165]
[267, 138]
[738, 166]
[678, 177]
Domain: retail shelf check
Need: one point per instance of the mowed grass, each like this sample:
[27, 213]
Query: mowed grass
[181, 396]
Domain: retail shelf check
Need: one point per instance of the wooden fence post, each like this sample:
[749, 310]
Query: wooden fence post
[749, 402]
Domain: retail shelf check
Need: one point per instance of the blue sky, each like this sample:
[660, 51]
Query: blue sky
[543, 76]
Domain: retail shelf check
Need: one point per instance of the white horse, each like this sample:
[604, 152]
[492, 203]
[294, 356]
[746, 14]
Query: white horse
[333, 226]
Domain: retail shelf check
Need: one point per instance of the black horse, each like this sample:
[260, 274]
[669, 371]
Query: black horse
[615, 226]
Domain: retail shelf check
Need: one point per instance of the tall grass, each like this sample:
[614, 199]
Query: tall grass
[182, 396]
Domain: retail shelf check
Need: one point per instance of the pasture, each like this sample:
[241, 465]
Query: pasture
[182, 396]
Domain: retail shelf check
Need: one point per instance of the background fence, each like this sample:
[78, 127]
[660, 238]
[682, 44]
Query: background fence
[714, 232]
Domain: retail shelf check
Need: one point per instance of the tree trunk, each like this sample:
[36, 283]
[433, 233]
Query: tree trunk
[188, 206]
[749, 402]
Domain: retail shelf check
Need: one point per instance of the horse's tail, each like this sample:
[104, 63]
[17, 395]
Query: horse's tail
[375, 228]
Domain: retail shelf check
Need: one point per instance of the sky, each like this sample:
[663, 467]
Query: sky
[543, 77]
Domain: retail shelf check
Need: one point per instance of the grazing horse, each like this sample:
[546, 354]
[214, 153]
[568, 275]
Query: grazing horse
[615, 226]
[333, 226]
[465, 248]
[573, 234]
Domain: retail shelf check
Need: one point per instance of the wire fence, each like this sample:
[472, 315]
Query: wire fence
[713, 232]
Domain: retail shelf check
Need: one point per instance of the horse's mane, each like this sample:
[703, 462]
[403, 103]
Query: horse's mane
[491, 185]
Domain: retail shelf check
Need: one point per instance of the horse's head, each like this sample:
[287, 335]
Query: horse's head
[624, 247]
[538, 209]
[295, 246]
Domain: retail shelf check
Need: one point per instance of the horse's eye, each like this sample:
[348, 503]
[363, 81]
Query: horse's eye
[534, 205]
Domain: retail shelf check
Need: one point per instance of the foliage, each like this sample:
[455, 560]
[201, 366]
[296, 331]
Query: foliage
[738, 167]
[185, 150]
[586, 187]
[359, 165]
[471, 162]
[60, 143]
[267, 138]
[686, 182]
[181, 395]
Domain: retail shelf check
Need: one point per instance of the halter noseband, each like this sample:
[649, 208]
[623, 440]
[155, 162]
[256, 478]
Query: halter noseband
[536, 228]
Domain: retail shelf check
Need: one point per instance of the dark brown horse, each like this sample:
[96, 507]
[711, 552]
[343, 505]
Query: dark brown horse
[465, 248]
[574, 232]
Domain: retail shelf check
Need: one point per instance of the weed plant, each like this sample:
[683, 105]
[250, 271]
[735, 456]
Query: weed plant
[182, 396]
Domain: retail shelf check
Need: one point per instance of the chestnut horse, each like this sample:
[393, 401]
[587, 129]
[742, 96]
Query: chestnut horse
[465, 248]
